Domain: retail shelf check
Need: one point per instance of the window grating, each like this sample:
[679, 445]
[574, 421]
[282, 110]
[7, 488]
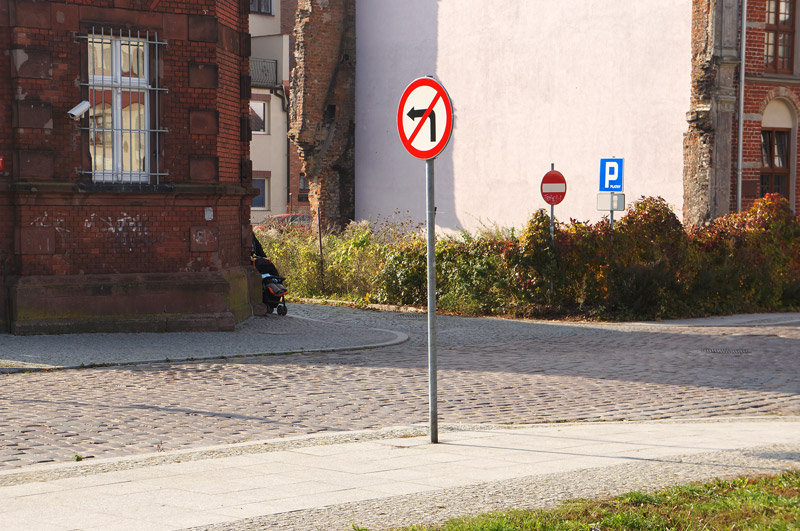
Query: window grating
[263, 7]
[264, 73]
[123, 94]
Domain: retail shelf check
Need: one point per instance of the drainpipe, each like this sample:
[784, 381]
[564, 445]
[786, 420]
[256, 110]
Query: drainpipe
[283, 94]
[739, 147]
[288, 155]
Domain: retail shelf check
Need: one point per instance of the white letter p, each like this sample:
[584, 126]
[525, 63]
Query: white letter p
[612, 172]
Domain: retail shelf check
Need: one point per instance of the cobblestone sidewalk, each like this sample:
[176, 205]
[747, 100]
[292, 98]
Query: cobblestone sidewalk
[491, 371]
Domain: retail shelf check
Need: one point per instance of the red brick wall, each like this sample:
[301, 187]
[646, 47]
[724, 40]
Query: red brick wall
[760, 89]
[53, 220]
[6, 208]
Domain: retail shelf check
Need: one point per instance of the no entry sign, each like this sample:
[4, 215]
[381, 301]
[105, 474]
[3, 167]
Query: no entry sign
[554, 187]
[425, 118]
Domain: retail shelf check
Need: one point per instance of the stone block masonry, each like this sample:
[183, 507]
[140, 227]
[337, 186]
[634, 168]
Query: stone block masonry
[707, 144]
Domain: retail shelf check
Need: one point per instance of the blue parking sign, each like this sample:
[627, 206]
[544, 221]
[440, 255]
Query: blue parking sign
[611, 175]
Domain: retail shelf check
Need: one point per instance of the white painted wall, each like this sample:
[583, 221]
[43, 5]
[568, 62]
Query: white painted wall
[268, 153]
[273, 47]
[532, 82]
[266, 24]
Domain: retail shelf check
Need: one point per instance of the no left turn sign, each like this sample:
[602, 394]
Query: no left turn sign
[425, 118]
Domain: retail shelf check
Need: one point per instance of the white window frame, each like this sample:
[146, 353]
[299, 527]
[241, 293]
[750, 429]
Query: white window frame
[267, 117]
[267, 196]
[118, 86]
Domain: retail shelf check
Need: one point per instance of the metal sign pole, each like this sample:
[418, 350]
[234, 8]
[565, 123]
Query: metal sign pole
[611, 224]
[552, 233]
[426, 105]
[434, 415]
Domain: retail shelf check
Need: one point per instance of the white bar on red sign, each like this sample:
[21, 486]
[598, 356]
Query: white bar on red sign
[554, 188]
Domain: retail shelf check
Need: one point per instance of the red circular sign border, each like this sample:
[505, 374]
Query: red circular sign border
[438, 148]
[541, 186]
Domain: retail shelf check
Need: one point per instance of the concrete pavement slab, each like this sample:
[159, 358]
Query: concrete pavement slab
[753, 319]
[318, 475]
[259, 335]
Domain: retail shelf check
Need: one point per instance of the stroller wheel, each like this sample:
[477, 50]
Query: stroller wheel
[270, 309]
[282, 310]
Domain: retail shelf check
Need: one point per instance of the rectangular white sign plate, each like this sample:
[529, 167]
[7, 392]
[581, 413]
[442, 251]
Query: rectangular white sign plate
[610, 201]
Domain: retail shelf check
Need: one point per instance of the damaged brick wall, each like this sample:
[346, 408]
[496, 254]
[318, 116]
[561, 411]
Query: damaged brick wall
[298, 194]
[699, 140]
[323, 106]
[708, 162]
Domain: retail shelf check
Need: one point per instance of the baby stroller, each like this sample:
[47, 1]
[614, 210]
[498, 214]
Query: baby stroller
[272, 288]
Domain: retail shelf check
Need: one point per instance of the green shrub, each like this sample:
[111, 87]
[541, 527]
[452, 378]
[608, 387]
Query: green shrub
[649, 251]
[468, 275]
[654, 268]
[535, 264]
[348, 267]
[746, 261]
[403, 279]
[583, 254]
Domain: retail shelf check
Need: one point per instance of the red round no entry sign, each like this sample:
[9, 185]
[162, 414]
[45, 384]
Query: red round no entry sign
[554, 187]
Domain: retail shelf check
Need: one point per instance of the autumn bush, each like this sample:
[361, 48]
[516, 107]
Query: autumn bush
[649, 267]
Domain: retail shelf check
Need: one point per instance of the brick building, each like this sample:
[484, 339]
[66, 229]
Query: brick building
[720, 177]
[135, 215]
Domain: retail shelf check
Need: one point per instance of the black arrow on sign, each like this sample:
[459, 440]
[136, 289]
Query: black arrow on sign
[414, 114]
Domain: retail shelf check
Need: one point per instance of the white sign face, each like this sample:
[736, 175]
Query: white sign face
[425, 118]
[610, 202]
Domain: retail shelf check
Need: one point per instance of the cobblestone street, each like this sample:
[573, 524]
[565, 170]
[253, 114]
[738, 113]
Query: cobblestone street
[490, 371]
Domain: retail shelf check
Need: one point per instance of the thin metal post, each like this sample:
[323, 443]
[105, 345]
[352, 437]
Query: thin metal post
[157, 113]
[552, 245]
[431, 206]
[740, 133]
[552, 234]
[611, 226]
[321, 255]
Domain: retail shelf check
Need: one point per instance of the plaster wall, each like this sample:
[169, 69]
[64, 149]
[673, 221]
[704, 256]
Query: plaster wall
[273, 47]
[532, 83]
[268, 153]
[266, 24]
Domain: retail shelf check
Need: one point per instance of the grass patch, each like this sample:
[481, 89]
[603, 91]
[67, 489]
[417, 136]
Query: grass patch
[746, 503]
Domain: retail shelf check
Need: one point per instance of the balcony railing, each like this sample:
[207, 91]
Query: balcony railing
[264, 73]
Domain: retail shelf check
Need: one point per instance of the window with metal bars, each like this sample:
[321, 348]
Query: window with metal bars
[123, 92]
[779, 36]
[263, 7]
[775, 153]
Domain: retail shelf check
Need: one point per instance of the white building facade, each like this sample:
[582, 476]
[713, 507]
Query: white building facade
[270, 151]
[532, 83]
